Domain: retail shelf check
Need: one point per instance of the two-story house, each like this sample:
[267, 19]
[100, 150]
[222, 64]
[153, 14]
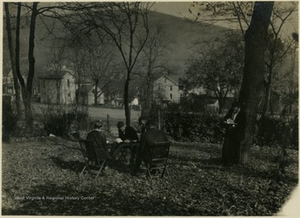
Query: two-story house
[8, 84]
[167, 89]
[57, 87]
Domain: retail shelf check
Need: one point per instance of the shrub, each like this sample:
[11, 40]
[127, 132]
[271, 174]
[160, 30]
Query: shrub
[9, 119]
[272, 131]
[185, 126]
[294, 133]
[193, 127]
[59, 121]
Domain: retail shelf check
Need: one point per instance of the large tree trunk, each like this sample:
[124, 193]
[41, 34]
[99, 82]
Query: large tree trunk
[267, 99]
[58, 92]
[12, 60]
[252, 85]
[148, 97]
[96, 92]
[31, 60]
[126, 102]
[221, 100]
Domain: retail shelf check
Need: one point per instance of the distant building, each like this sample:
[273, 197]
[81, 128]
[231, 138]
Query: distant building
[135, 101]
[57, 87]
[8, 84]
[166, 89]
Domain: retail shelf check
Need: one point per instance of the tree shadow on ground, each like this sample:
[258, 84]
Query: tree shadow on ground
[214, 161]
[119, 166]
[77, 166]
[195, 159]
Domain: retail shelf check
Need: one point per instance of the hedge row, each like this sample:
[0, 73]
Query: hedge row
[193, 127]
[273, 131]
[9, 119]
[60, 122]
[207, 128]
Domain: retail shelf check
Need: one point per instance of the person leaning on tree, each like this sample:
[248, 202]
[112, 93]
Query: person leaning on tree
[235, 121]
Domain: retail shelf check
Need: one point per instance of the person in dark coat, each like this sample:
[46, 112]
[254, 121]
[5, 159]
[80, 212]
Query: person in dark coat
[127, 132]
[147, 140]
[128, 137]
[235, 121]
[142, 124]
[99, 139]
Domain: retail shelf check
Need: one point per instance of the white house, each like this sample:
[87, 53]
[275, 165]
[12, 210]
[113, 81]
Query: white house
[8, 84]
[57, 87]
[135, 101]
[166, 89]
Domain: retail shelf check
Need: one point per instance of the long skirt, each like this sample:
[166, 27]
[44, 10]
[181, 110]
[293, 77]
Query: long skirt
[231, 148]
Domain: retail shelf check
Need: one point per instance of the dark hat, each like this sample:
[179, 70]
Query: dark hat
[142, 119]
[98, 124]
[120, 124]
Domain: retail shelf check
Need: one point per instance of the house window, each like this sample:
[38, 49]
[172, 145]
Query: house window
[69, 94]
[171, 96]
[158, 88]
[68, 82]
[165, 80]
[171, 88]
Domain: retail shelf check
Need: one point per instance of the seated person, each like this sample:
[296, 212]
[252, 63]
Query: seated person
[147, 140]
[142, 124]
[127, 134]
[99, 139]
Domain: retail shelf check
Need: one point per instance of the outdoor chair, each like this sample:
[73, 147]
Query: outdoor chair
[126, 149]
[158, 159]
[95, 158]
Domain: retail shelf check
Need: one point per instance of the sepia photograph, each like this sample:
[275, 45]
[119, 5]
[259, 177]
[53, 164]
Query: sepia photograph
[173, 108]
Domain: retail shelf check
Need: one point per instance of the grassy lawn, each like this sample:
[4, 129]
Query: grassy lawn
[95, 113]
[41, 178]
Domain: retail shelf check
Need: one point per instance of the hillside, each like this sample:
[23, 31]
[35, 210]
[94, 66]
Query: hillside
[179, 32]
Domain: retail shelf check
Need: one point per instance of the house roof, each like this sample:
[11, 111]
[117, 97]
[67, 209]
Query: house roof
[86, 89]
[53, 74]
[172, 77]
[83, 81]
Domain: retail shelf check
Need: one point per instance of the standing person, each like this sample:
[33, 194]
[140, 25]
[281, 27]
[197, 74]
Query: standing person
[235, 121]
[147, 140]
[128, 136]
[99, 138]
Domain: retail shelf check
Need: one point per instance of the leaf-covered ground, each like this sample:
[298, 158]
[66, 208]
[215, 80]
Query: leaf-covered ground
[42, 178]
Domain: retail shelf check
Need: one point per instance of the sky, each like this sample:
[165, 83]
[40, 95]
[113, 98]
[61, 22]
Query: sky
[181, 9]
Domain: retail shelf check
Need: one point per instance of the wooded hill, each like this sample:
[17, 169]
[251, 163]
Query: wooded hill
[180, 33]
